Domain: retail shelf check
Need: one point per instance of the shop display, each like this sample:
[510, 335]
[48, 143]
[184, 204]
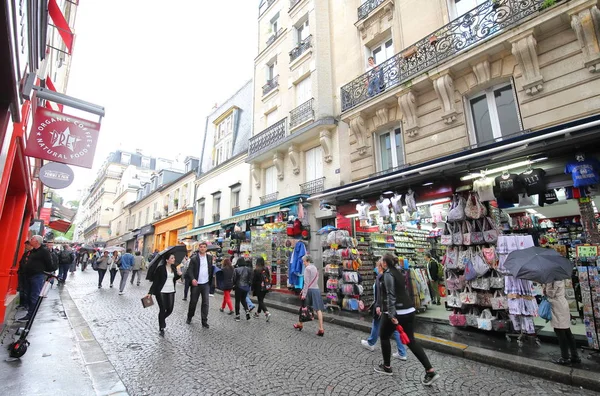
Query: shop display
[508, 186]
[584, 171]
[484, 187]
[366, 270]
[396, 201]
[534, 181]
[383, 206]
[589, 281]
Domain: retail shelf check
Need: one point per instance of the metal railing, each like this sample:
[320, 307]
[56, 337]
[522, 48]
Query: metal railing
[269, 198]
[274, 37]
[368, 6]
[293, 3]
[270, 85]
[302, 113]
[269, 136]
[234, 210]
[313, 186]
[479, 24]
[301, 48]
[91, 227]
[216, 217]
[389, 170]
[200, 222]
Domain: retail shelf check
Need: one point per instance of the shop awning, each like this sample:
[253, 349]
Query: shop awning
[60, 225]
[263, 210]
[201, 230]
[60, 22]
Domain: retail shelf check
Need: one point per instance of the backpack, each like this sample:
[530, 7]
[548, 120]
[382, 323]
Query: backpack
[440, 271]
[64, 257]
[54, 257]
[265, 285]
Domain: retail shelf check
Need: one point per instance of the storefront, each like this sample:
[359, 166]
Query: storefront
[145, 240]
[130, 240]
[167, 231]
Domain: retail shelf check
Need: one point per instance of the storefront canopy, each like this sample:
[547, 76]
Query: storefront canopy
[60, 225]
[201, 230]
[263, 210]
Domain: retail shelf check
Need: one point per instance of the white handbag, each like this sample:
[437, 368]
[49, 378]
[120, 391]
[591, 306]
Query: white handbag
[484, 322]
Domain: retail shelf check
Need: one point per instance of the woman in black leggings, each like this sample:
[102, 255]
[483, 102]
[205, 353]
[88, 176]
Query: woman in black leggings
[163, 287]
[261, 281]
[398, 308]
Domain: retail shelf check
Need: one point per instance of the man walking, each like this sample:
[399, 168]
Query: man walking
[65, 260]
[200, 273]
[38, 260]
[126, 266]
[138, 265]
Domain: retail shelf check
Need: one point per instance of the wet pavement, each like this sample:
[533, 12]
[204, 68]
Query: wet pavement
[259, 358]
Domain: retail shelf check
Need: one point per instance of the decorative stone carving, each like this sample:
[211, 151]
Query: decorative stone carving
[524, 50]
[256, 174]
[278, 162]
[444, 88]
[294, 154]
[408, 107]
[483, 72]
[382, 116]
[325, 139]
[357, 126]
[586, 24]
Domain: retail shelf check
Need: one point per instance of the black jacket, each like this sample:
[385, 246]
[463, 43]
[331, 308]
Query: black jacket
[227, 277]
[433, 270]
[37, 261]
[194, 268]
[242, 278]
[257, 280]
[393, 294]
[160, 277]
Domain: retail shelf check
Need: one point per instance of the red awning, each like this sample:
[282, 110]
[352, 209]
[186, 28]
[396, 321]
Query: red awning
[51, 86]
[60, 225]
[61, 24]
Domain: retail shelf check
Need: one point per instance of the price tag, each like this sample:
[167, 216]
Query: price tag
[334, 246]
[587, 251]
[584, 200]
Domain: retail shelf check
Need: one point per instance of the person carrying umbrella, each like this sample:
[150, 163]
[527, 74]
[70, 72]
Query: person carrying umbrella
[561, 322]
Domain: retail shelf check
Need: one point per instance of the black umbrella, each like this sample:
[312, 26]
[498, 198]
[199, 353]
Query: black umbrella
[86, 247]
[539, 265]
[179, 251]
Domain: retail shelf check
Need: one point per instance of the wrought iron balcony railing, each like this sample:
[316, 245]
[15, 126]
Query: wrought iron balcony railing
[269, 136]
[269, 198]
[200, 222]
[293, 3]
[234, 210]
[91, 227]
[368, 6]
[313, 186]
[270, 85]
[302, 113]
[479, 24]
[274, 36]
[216, 217]
[301, 48]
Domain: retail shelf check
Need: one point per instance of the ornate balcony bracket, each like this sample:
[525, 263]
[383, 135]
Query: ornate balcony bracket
[586, 24]
[357, 126]
[382, 116]
[408, 107]
[482, 71]
[256, 174]
[294, 158]
[524, 50]
[278, 162]
[367, 14]
[444, 88]
[325, 139]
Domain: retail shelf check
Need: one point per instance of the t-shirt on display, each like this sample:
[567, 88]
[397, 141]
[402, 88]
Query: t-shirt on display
[584, 172]
[508, 187]
[383, 207]
[363, 211]
[485, 188]
[397, 204]
[533, 181]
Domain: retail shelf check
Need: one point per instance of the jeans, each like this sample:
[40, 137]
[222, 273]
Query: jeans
[113, 274]
[240, 297]
[63, 271]
[124, 276]
[261, 302]
[227, 300]
[101, 273]
[201, 289]
[23, 289]
[566, 341]
[139, 277]
[72, 267]
[34, 286]
[249, 302]
[166, 302]
[408, 324]
[372, 340]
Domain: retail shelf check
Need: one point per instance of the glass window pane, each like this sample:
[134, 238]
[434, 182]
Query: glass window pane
[481, 119]
[386, 151]
[399, 149]
[507, 110]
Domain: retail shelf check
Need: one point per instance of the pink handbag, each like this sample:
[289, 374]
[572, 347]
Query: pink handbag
[458, 319]
[490, 257]
[455, 282]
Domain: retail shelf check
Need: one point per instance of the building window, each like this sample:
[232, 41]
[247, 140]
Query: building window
[382, 51]
[302, 30]
[314, 163]
[274, 24]
[493, 114]
[145, 162]
[461, 7]
[200, 209]
[147, 215]
[270, 180]
[223, 140]
[390, 149]
[272, 117]
[119, 228]
[125, 158]
[303, 91]
[139, 225]
[155, 207]
[132, 224]
[216, 203]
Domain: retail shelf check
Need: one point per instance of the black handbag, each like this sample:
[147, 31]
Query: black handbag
[305, 314]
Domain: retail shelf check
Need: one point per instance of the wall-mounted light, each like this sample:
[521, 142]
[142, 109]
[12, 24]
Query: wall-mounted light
[521, 164]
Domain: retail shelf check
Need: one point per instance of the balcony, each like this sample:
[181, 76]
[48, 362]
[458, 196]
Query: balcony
[368, 6]
[234, 210]
[90, 228]
[474, 27]
[293, 3]
[313, 186]
[216, 217]
[269, 198]
[270, 85]
[274, 37]
[302, 113]
[268, 137]
[200, 222]
[301, 48]
[264, 6]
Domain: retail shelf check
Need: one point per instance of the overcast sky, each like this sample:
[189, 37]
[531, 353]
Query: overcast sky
[158, 68]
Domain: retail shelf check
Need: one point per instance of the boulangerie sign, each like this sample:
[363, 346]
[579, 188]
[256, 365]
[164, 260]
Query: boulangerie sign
[60, 137]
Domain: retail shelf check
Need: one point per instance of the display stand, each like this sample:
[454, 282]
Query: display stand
[589, 281]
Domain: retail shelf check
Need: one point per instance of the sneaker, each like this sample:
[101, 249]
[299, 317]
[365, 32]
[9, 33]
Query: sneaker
[121, 293]
[381, 369]
[268, 316]
[221, 309]
[247, 315]
[23, 319]
[211, 295]
[184, 299]
[365, 344]
[230, 313]
[256, 315]
[111, 285]
[99, 287]
[398, 356]
[237, 318]
[430, 378]
[562, 361]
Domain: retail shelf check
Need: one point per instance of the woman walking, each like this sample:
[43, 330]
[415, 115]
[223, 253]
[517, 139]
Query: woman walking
[102, 264]
[163, 288]
[227, 270]
[561, 322]
[113, 267]
[398, 309]
[312, 293]
[242, 277]
[261, 280]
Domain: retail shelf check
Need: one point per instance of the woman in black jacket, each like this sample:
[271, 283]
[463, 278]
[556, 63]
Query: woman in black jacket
[242, 278]
[398, 308]
[227, 273]
[163, 287]
[261, 280]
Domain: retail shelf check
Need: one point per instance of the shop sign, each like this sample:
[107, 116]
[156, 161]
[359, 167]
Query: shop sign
[587, 250]
[60, 137]
[147, 229]
[56, 176]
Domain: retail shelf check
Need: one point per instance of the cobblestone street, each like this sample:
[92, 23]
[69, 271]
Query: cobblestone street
[258, 358]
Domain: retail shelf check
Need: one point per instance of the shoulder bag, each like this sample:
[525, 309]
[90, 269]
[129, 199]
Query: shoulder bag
[457, 213]
[468, 296]
[451, 260]
[499, 301]
[479, 264]
[490, 234]
[458, 319]
[446, 238]
[457, 236]
[484, 322]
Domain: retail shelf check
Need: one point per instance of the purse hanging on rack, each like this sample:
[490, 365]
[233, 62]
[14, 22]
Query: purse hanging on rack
[472, 317]
[453, 300]
[457, 236]
[479, 263]
[446, 238]
[490, 257]
[458, 319]
[497, 280]
[490, 234]
[468, 296]
[474, 209]
[499, 301]
[467, 233]
[477, 233]
[451, 258]
[484, 322]
[457, 213]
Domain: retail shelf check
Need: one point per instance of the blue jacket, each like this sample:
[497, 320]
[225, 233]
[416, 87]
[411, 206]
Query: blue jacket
[127, 261]
[296, 268]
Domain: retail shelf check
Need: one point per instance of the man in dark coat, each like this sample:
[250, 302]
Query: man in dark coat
[38, 260]
[200, 274]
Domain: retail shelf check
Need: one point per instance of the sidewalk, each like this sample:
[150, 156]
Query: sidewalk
[63, 357]
[473, 344]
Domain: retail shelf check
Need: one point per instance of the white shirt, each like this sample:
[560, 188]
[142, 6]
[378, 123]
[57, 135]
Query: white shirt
[397, 204]
[384, 207]
[363, 211]
[485, 189]
[169, 286]
[203, 275]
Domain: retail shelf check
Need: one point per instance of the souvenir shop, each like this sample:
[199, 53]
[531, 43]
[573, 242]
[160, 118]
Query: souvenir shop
[469, 218]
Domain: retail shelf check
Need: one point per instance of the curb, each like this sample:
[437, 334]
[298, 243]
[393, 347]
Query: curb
[546, 370]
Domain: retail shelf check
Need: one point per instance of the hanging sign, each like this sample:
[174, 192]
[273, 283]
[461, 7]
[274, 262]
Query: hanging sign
[56, 176]
[60, 137]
